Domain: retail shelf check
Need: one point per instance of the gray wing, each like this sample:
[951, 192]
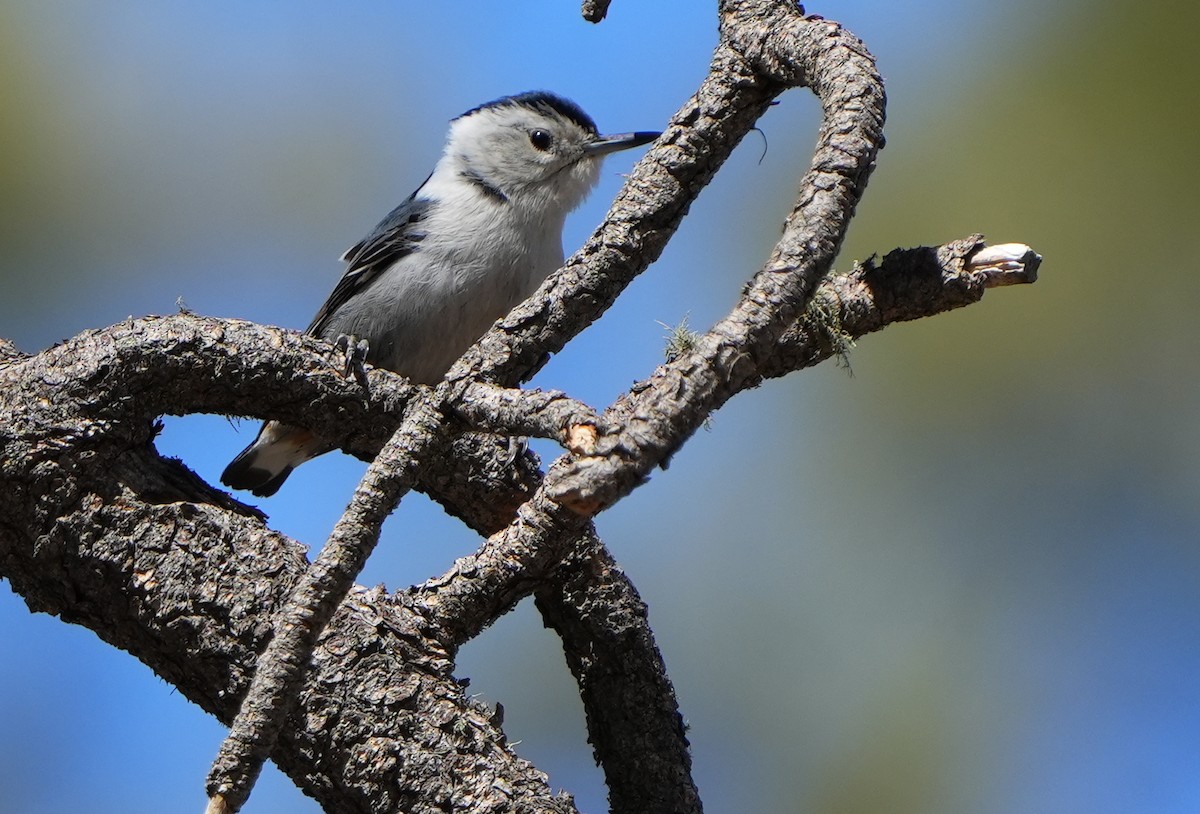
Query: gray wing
[395, 237]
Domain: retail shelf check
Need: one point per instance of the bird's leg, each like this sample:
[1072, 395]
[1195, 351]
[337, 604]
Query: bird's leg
[354, 356]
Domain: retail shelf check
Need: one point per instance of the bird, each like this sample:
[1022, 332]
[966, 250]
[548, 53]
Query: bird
[473, 241]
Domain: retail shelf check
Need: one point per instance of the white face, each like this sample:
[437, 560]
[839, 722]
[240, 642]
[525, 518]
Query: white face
[526, 153]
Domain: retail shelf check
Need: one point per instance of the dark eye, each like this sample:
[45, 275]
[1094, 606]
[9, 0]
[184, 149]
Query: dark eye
[540, 139]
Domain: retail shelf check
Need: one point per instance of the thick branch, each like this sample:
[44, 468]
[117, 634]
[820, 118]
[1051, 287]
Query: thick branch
[633, 720]
[381, 724]
[100, 530]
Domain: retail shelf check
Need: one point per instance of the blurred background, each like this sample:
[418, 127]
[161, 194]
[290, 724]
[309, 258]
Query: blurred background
[964, 578]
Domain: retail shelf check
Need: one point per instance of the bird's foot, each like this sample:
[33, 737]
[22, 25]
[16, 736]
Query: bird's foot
[354, 356]
[516, 448]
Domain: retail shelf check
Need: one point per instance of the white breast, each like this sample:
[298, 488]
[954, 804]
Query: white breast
[479, 258]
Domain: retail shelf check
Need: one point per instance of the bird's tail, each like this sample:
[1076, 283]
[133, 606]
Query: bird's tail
[263, 466]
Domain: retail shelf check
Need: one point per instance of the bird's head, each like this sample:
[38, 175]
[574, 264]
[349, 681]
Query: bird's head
[535, 148]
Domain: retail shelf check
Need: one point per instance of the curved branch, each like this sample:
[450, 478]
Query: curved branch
[186, 363]
[907, 284]
[657, 416]
[99, 529]
[633, 719]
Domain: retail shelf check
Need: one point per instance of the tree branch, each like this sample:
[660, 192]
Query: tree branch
[658, 415]
[595, 10]
[907, 284]
[189, 588]
[633, 719]
[314, 599]
[530, 413]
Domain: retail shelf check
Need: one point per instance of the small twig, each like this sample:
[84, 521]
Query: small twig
[511, 411]
[595, 10]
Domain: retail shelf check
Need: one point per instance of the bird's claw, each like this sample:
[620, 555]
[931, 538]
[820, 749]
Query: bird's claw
[516, 448]
[354, 356]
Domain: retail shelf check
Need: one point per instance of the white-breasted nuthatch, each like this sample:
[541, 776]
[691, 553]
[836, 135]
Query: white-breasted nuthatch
[477, 238]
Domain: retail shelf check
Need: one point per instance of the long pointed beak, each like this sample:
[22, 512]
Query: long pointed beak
[603, 145]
